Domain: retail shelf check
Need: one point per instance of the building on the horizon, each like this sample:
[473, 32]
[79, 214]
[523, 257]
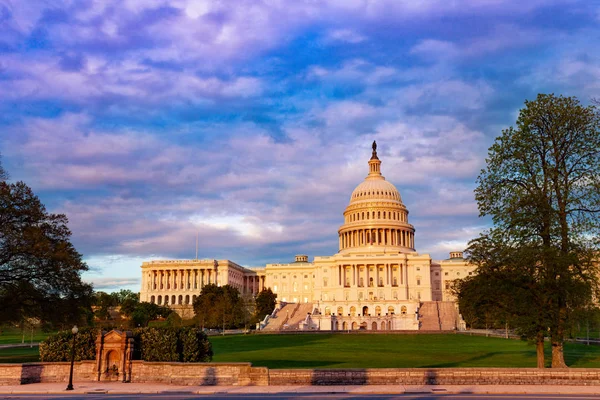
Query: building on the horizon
[376, 281]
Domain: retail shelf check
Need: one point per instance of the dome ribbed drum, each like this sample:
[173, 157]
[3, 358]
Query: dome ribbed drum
[376, 219]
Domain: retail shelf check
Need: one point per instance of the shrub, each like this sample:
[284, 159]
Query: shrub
[158, 344]
[58, 347]
[151, 344]
[195, 345]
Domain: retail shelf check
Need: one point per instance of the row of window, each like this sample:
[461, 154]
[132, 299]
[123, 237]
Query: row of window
[391, 215]
[361, 296]
[376, 193]
[166, 300]
[365, 311]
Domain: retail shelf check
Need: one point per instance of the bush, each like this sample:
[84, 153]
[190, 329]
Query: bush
[151, 344]
[195, 345]
[58, 347]
[157, 344]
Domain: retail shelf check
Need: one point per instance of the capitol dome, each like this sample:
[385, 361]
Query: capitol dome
[376, 218]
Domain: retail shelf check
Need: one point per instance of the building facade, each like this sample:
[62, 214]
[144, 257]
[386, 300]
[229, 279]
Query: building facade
[377, 280]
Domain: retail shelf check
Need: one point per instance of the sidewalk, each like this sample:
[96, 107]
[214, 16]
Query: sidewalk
[153, 388]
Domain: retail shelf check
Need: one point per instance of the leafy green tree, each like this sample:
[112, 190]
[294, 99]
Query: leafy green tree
[265, 303]
[541, 186]
[145, 312]
[220, 307]
[38, 264]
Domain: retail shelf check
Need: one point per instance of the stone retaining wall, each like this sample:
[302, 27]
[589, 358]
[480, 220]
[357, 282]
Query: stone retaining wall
[15, 374]
[435, 376]
[243, 374]
[200, 374]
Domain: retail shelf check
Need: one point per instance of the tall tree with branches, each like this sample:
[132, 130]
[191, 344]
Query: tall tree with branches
[541, 186]
[40, 270]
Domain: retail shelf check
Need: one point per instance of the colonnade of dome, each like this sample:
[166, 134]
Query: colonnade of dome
[376, 218]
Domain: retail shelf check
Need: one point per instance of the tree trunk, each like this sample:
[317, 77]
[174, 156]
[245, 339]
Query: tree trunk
[539, 346]
[558, 356]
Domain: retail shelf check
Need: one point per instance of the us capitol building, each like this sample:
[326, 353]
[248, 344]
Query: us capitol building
[376, 281]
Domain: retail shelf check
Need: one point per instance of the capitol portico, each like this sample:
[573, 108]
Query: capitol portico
[376, 281]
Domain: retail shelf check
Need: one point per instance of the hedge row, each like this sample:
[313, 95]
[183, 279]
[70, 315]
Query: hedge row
[151, 344]
[58, 347]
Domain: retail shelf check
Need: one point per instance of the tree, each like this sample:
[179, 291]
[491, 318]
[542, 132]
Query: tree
[541, 186]
[3, 173]
[265, 303]
[220, 307]
[146, 312]
[40, 270]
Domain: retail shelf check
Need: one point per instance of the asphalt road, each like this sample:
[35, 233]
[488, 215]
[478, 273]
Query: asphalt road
[295, 396]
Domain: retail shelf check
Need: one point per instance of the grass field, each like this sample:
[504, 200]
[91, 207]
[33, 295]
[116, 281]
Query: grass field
[12, 335]
[20, 355]
[388, 351]
[371, 351]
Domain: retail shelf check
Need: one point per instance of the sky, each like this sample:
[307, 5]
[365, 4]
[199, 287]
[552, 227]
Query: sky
[249, 123]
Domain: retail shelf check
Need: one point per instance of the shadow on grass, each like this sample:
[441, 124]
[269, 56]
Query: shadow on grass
[245, 343]
[581, 355]
[461, 363]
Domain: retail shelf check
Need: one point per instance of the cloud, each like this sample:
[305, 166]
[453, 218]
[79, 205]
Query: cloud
[115, 283]
[251, 122]
[345, 35]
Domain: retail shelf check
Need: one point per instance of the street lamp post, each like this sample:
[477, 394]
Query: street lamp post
[70, 386]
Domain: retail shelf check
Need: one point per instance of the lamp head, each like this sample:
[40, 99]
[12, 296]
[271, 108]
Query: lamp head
[75, 330]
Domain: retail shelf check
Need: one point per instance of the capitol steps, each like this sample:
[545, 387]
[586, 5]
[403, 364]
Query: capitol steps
[276, 323]
[437, 316]
[448, 315]
[429, 316]
[298, 316]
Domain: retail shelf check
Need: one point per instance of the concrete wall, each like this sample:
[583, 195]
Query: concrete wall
[198, 374]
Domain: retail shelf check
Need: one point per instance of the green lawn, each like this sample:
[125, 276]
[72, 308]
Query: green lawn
[10, 335]
[371, 351]
[388, 351]
[20, 355]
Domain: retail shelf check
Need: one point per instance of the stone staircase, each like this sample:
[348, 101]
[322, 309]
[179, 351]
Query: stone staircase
[437, 316]
[429, 319]
[448, 315]
[298, 316]
[276, 322]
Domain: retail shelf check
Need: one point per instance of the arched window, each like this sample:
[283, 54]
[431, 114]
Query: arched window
[391, 310]
[187, 299]
[340, 311]
[403, 310]
[173, 299]
[152, 299]
[166, 300]
[374, 326]
[378, 310]
[180, 299]
[353, 311]
[193, 298]
[159, 300]
[365, 310]
[327, 310]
